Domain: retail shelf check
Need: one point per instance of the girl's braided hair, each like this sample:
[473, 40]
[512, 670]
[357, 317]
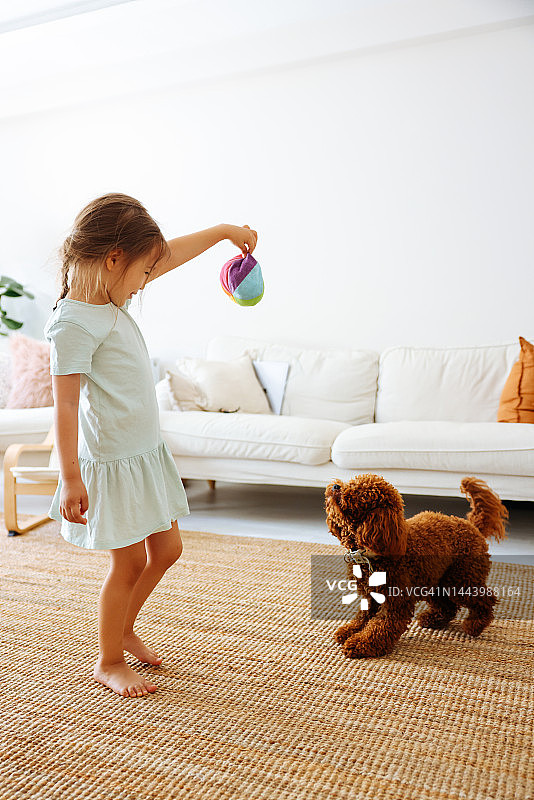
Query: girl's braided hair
[110, 222]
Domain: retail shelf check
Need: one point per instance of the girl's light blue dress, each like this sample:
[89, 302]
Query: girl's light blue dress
[133, 484]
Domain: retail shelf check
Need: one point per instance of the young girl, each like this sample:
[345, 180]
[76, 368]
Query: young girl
[114, 465]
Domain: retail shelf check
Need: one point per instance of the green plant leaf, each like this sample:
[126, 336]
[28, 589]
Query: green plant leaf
[14, 292]
[11, 288]
[6, 281]
[11, 323]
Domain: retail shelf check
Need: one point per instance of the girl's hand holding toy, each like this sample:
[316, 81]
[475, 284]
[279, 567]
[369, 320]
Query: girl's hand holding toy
[242, 237]
[241, 276]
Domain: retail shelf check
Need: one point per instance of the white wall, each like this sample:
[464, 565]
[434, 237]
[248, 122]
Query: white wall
[391, 189]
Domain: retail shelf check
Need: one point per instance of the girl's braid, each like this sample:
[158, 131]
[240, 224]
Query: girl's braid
[64, 277]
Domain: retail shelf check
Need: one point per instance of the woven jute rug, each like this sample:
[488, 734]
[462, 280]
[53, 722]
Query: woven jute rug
[255, 698]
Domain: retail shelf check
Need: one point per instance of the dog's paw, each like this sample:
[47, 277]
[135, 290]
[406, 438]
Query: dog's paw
[432, 619]
[359, 647]
[350, 628]
[474, 627]
[343, 633]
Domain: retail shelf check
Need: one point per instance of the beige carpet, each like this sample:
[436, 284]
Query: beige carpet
[255, 699]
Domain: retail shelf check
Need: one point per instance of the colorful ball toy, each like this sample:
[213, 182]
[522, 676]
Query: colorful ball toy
[242, 280]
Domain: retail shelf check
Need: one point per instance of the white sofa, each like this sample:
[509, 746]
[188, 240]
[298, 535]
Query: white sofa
[422, 417]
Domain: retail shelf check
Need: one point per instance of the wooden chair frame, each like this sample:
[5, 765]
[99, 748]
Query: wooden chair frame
[12, 487]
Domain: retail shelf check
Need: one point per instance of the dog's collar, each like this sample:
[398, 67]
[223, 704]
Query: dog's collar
[357, 557]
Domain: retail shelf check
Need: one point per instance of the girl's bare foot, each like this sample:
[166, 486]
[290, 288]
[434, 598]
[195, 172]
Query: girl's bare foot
[133, 644]
[122, 679]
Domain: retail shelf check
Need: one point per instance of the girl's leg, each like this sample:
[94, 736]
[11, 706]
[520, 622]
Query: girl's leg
[162, 550]
[127, 563]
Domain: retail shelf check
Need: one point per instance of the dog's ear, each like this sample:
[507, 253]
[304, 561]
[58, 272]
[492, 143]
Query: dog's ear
[384, 531]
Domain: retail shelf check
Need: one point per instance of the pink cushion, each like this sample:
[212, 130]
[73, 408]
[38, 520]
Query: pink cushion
[31, 382]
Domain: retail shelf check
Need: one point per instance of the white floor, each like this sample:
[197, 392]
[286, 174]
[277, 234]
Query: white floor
[297, 513]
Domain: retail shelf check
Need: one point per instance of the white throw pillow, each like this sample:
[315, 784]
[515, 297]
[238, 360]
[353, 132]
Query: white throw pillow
[273, 377]
[164, 396]
[226, 385]
[183, 394]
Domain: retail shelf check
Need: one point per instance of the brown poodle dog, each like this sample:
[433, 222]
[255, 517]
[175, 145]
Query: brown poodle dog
[430, 551]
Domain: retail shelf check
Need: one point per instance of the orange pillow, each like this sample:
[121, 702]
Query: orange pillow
[517, 398]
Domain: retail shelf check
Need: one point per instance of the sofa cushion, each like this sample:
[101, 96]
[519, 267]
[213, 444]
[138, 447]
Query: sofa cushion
[250, 436]
[225, 385]
[322, 384]
[460, 384]
[182, 392]
[164, 396]
[24, 425]
[467, 447]
[273, 377]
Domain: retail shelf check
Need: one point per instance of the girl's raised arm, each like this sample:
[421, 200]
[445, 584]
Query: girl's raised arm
[184, 248]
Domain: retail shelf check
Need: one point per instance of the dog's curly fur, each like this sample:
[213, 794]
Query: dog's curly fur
[427, 551]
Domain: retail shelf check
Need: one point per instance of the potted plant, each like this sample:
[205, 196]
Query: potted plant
[10, 288]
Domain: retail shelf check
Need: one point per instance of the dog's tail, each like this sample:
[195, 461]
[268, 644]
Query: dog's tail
[487, 513]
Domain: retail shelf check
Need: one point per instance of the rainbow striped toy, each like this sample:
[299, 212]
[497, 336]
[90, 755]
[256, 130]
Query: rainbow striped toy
[242, 280]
